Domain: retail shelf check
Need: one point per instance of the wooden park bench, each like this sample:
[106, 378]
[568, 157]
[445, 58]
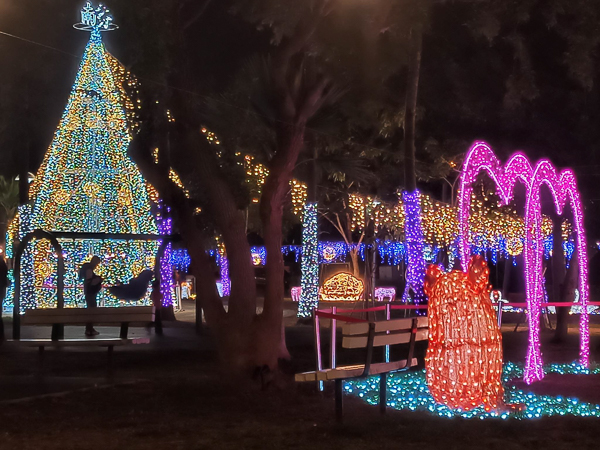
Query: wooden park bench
[57, 318]
[369, 335]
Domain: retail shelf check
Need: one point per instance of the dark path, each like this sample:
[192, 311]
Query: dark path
[171, 394]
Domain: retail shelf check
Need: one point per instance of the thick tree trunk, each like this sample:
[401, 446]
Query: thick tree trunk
[231, 222]
[233, 330]
[291, 141]
[414, 73]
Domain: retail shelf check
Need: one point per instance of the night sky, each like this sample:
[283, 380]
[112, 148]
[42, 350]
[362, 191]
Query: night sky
[36, 81]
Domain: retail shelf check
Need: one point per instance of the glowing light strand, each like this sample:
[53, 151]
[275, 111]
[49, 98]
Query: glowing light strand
[309, 282]
[87, 182]
[563, 188]
[415, 272]
[464, 355]
[409, 391]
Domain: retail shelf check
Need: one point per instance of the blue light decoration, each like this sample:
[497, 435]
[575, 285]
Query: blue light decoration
[287, 250]
[180, 260]
[88, 183]
[409, 391]
[568, 249]
[309, 281]
[415, 273]
[17, 229]
[224, 270]
[259, 256]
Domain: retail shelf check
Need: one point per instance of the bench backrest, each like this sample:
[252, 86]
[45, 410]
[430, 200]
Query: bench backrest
[385, 332]
[80, 316]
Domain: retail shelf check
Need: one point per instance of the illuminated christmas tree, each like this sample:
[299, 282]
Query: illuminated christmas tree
[88, 183]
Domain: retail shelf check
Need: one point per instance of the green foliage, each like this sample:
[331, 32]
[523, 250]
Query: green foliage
[9, 198]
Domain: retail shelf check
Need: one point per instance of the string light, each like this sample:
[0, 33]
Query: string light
[492, 229]
[563, 187]
[299, 196]
[180, 260]
[464, 355]
[415, 272]
[295, 293]
[174, 177]
[409, 391]
[88, 183]
[329, 253]
[167, 285]
[381, 293]
[343, 287]
[309, 281]
[224, 269]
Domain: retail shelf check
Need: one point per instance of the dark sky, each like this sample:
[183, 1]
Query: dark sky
[36, 80]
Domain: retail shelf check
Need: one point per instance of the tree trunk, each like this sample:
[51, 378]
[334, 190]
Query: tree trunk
[506, 278]
[269, 339]
[354, 262]
[414, 73]
[567, 294]
[413, 227]
[233, 329]
[558, 278]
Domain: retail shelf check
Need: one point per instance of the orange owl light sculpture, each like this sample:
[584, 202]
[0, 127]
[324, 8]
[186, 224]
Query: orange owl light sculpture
[342, 287]
[464, 356]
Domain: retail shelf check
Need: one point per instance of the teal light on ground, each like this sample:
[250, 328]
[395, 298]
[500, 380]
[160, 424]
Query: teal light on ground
[409, 391]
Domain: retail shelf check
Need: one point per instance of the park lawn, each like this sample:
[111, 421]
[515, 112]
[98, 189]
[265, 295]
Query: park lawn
[205, 413]
[180, 400]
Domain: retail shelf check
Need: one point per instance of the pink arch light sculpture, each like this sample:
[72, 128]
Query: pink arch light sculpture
[563, 187]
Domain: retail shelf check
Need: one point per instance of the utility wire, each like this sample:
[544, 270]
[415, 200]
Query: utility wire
[37, 43]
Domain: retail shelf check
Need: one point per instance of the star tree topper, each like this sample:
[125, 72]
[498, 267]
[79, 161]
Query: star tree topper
[95, 19]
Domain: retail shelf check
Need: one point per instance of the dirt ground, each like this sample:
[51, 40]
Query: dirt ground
[171, 395]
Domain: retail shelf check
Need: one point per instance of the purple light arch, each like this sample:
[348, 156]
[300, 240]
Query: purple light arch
[563, 187]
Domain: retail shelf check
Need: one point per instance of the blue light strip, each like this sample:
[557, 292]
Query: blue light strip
[409, 391]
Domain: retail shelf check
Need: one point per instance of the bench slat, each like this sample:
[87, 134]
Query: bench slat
[100, 310]
[400, 324]
[401, 337]
[79, 316]
[384, 325]
[83, 319]
[354, 371]
[90, 342]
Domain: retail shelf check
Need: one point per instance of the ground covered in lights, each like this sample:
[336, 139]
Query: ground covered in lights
[408, 391]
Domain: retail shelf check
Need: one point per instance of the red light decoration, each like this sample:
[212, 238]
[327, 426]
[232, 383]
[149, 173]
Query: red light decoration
[464, 356]
[342, 287]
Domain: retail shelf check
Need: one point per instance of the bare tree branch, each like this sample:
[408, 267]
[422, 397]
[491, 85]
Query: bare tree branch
[195, 17]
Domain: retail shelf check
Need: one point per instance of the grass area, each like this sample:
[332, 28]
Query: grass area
[204, 413]
[181, 401]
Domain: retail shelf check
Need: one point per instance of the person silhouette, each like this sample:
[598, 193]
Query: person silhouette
[92, 284]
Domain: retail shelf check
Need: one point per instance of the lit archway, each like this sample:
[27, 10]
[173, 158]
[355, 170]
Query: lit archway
[563, 187]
